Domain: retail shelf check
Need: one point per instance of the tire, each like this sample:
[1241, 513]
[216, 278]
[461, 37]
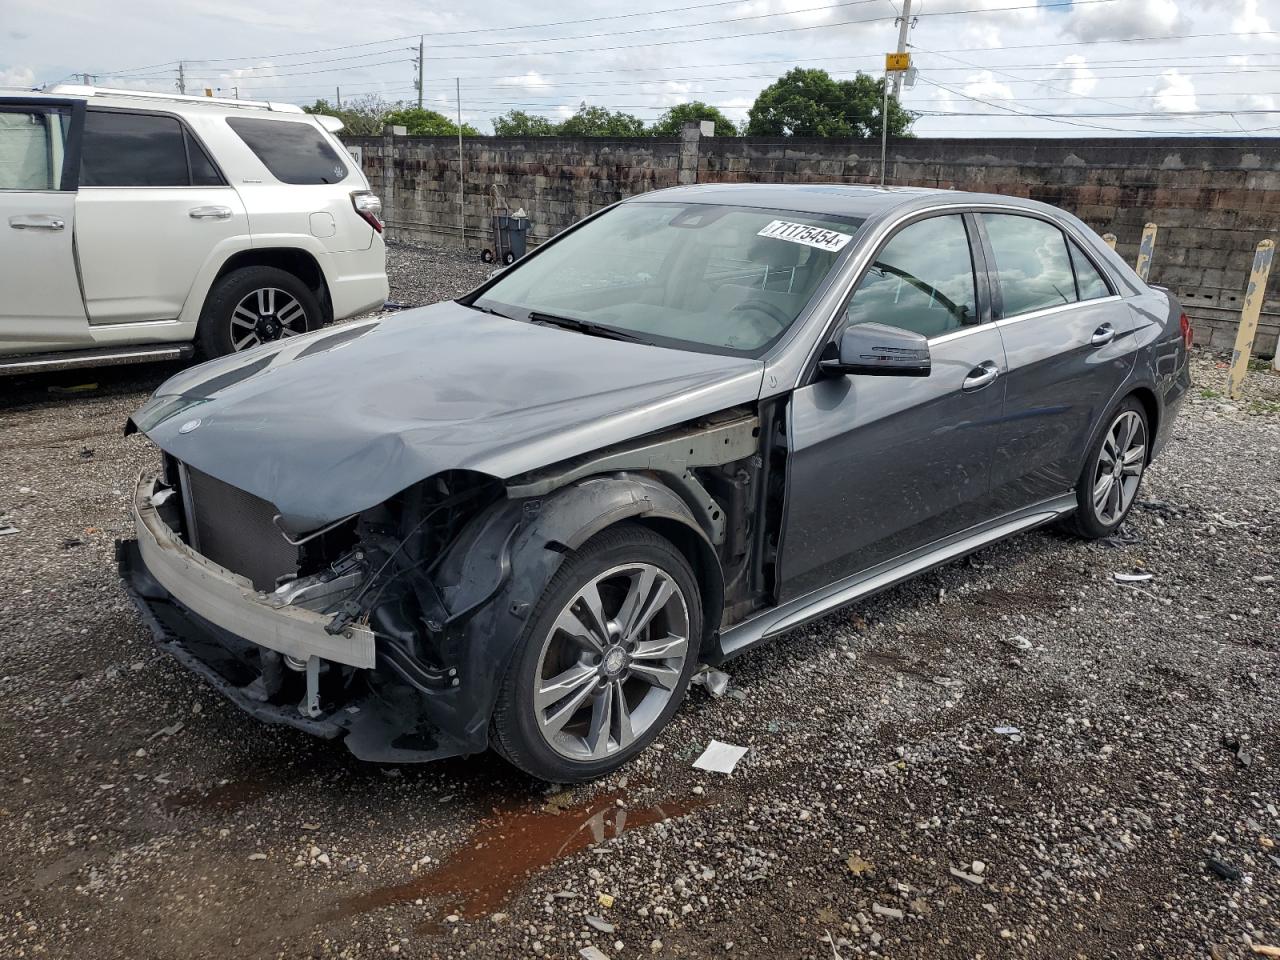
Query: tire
[575, 733]
[486, 255]
[508, 258]
[1090, 520]
[224, 324]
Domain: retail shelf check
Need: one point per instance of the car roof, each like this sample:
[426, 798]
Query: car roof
[150, 99]
[833, 199]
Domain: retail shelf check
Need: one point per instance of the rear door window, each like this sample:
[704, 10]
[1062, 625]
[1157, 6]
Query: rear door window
[1089, 282]
[294, 151]
[132, 150]
[1032, 265]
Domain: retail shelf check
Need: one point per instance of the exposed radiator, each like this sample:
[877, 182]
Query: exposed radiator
[234, 530]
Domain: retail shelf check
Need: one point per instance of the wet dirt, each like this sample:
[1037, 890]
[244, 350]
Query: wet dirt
[507, 850]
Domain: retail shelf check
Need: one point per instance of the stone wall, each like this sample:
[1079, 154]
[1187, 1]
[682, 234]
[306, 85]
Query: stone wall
[1213, 198]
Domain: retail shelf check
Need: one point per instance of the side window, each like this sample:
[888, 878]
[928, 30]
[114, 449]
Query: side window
[1032, 264]
[1089, 283]
[132, 150]
[922, 280]
[31, 149]
[293, 150]
[203, 172]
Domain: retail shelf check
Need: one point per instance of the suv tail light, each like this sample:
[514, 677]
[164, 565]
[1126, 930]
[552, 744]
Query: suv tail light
[1187, 332]
[369, 207]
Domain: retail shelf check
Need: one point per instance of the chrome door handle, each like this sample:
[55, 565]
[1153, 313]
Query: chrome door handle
[210, 213]
[1103, 335]
[37, 221]
[984, 374]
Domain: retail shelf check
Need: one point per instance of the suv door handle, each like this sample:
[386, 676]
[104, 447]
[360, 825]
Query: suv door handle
[983, 375]
[37, 221]
[210, 213]
[1103, 335]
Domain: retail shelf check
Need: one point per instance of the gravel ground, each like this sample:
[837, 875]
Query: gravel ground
[1016, 755]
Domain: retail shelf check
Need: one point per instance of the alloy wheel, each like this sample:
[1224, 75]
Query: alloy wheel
[1119, 469]
[266, 314]
[611, 662]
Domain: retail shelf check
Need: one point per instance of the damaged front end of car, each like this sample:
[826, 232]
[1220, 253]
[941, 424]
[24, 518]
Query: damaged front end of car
[392, 628]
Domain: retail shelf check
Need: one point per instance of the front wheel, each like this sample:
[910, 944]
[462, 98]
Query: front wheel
[605, 661]
[255, 305]
[1112, 472]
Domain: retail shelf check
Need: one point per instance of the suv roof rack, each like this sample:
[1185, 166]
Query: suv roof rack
[83, 91]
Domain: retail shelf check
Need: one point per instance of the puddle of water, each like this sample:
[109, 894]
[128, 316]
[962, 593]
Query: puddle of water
[508, 849]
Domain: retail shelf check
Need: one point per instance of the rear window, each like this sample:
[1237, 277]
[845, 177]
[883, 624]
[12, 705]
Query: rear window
[294, 152]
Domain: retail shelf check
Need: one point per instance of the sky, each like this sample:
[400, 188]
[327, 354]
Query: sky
[984, 67]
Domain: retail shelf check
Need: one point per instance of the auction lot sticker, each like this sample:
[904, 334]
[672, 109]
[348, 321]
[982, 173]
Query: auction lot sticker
[818, 237]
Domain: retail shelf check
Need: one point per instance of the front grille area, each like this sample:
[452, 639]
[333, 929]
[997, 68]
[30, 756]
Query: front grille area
[234, 529]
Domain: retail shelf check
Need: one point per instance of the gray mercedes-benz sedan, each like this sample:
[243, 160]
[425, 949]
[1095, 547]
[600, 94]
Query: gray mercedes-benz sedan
[693, 421]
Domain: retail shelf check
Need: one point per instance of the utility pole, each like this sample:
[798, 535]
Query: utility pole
[182, 78]
[88, 79]
[462, 211]
[421, 57]
[337, 92]
[905, 23]
[236, 89]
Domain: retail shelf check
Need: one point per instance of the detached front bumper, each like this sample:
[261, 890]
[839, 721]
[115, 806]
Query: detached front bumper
[218, 626]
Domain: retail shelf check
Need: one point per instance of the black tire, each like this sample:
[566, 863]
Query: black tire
[1086, 522]
[486, 255]
[214, 334]
[508, 258]
[515, 734]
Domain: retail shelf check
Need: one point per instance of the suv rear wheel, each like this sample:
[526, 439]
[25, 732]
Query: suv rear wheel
[254, 305]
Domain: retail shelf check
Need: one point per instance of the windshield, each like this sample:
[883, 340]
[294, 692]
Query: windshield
[700, 276]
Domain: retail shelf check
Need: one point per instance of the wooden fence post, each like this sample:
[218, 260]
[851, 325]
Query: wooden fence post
[1148, 247]
[1253, 298]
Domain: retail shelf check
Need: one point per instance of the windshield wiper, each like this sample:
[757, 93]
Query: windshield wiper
[489, 310]
[583, 326]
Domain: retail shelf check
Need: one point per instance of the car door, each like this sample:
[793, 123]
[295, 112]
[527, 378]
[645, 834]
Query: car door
[1069, 343]
[152, 208]
[41, 307]
[879, 466]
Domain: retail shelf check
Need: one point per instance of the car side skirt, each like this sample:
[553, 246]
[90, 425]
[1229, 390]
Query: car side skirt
[776, 620]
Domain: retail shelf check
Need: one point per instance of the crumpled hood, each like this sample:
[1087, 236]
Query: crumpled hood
[334, 422]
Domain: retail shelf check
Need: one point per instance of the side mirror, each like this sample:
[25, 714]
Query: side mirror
[876, 350]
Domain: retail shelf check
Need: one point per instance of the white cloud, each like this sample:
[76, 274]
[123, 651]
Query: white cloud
[1250, 20]
[17, 77]
[1174, 93]
[985, 86]
[1132, 18]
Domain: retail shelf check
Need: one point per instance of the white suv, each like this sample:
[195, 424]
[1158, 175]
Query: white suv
[139, 226]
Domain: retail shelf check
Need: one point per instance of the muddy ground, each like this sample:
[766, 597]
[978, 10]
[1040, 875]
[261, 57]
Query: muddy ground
[1130, 807]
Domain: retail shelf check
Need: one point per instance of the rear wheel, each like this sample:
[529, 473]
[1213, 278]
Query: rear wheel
[1112, 473]
[605, 661]
[255, 305]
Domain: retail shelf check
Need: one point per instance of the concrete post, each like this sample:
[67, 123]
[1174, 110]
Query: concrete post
[1253, 297]
[1109, 239]
[690, 134]
[389, 175]
[1148, 247]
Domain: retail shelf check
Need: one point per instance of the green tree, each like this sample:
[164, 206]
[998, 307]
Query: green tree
[420, 122]
[517, 123]
[810, 103]
[600, 122]
[669, 124]
[361, 117]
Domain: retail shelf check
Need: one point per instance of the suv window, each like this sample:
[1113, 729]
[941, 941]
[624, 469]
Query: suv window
[31, 149]
[294, 151]
[922, 280]
[132, 150]
[1089, 283]
[1032, 263]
